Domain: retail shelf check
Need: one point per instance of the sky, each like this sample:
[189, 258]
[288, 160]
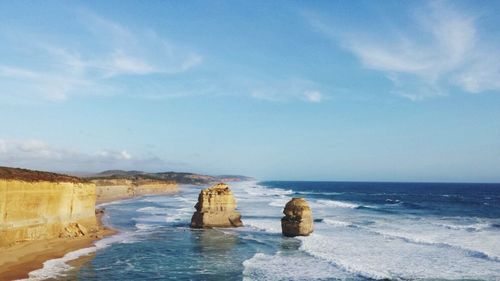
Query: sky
[283, 90]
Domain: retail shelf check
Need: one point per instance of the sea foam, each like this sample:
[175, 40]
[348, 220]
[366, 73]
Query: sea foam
[57, 267]
[289, 267]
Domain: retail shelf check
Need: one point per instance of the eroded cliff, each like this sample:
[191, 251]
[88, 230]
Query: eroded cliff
[116, 188]
[37, 205]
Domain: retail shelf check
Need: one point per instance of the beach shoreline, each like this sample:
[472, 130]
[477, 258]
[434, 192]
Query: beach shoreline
[121, 197]
[17, 261]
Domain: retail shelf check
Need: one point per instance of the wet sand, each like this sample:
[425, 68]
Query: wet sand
[18, 260]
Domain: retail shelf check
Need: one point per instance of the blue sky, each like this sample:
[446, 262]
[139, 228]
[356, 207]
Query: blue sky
[298, 90]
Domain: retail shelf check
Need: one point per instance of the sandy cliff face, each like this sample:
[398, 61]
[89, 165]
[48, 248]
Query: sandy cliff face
[40, 208]
[298, 220]
[216, 207]
[113, 189]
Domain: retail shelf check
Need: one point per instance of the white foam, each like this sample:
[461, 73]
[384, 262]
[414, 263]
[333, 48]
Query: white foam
[151, 219]
[191, 201]
[472, 227]
[379, 257]
[261, 191]
[160, 216]
[337, 204]
[483, 240]
[268, 225]
[158, 199]
[153, 210]
[145, 227]
[289, 267]
[280, 202]
[182, 216]
[318, 192]
[334, 222]
[57, 267]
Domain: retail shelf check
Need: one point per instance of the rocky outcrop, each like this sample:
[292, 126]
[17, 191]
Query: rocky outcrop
[38, 205]
[298, 220]
[114, 189]
[216, 207]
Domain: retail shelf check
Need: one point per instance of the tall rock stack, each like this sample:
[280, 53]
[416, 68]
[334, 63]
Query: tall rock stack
[298, 220]
[216, 207]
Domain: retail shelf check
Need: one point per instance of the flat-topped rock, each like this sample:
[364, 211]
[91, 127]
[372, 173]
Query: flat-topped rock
[298, 220]
[216, 207]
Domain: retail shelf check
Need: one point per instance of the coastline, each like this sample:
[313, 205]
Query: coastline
[120, 197]
[17, 261]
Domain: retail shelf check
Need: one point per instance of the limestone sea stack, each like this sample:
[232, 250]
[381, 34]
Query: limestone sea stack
[298, 220]
[216, 207]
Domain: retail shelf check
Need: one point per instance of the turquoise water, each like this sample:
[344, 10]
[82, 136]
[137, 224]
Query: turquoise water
[363, 231]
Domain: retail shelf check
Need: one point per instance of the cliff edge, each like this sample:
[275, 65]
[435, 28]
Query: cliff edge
[38, 205]
[115, 188]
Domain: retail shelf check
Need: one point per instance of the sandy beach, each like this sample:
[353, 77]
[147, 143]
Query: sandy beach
[17, 261]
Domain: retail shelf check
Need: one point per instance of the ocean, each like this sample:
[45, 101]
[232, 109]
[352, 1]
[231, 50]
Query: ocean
[363, 231]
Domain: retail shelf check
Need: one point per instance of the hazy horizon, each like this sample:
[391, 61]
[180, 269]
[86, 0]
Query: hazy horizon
[318, 91]
[90, 173]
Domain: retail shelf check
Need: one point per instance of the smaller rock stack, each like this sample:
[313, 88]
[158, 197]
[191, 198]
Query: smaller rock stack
[298, 220]
[216, 207]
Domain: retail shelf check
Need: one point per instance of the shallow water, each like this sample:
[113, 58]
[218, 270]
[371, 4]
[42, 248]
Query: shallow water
[363, 231]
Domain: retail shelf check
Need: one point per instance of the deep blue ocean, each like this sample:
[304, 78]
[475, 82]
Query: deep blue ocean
[363, 231]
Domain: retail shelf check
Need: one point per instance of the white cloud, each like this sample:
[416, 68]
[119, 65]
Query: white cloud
[116, 155]
[37, 154]
[108, 50]
[441, 48]
[121, 63]
[288, 89]
[483, 74]
[136, 52]
[313, 96]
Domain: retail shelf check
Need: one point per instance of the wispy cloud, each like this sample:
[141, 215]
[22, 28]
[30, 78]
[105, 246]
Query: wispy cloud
[110, 50]
[49, 85]
[136, 52]
[441, 47]
[37, 154]
[278, 90]
[288, 89]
